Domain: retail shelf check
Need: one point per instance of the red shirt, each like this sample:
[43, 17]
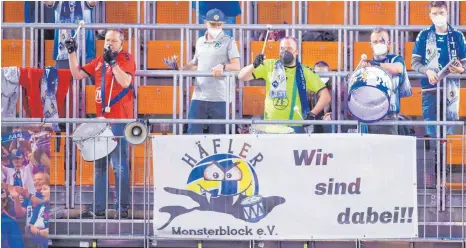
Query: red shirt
[123, 109]
[31, 78]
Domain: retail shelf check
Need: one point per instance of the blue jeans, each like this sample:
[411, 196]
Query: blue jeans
[429, 113]
[206, 110]
[298, 129]
[119, 158]
[228, 20]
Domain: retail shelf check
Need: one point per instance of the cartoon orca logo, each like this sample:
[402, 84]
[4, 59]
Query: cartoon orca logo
[224, 183]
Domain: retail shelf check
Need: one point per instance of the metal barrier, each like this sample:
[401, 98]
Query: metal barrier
[440, 219]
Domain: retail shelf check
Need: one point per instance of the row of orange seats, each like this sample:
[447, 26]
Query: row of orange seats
[159, 49]
[140, 157]
[268, 12]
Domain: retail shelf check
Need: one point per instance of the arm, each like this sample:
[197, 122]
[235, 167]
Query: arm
[190, 66]
[75, 69]
[36, 231]
[49, 3]
[324, 100]
[245, 74]
[233, 65]
[123, 78]
[417, 65]
[393, 68]
[253, 70]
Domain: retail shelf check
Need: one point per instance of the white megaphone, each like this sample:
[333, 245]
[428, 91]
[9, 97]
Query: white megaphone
[136, 132]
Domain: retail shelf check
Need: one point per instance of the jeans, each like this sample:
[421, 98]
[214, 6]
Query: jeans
[206, 110]
[383, 129]
[119, 158]
[228, 20]
[429, 112]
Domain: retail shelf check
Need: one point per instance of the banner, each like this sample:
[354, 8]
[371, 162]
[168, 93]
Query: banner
[285, 187]
[25, 182]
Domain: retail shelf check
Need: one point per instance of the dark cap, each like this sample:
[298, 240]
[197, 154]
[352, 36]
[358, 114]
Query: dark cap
[16, 154]
[215, 15]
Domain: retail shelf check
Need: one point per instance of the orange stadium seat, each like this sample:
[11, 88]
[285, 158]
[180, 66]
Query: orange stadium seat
[412, 106]
[462, 12]
[173, 12]
[377, 13]
[85, 171]
[140, 152]
[48, 51]
[57, 159]
[456, 150]
[272, 49]
[360, 48]
[156, 100]
[407, 54]
[123, 12]
[326, 12]
[253, 100]
[12, 53]
[157, 50]
[325, 51]
[275, 12]
[13, 11]
[419, 13]
[90, 99]
[463, 97]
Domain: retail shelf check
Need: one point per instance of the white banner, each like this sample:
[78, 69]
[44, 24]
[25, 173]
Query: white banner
[282, 187]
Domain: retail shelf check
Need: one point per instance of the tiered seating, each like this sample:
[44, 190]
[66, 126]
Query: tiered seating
[57, 159]
[13, 11]
[326, 12]
[321, 51]
[12, 51]
[377, 13]
[275, 12]
[456, 156]
[419, 13]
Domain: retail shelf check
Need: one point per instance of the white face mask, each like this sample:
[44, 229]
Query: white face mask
[440, 21]
[380, 49]
[214, 32]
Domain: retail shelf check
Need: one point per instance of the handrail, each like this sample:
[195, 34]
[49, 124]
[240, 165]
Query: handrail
[150, 73]
[224, 121]
[226, 26]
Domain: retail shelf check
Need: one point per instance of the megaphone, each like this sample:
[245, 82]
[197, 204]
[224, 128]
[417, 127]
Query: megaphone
[136, 132]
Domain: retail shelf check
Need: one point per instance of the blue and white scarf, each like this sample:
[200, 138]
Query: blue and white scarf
[278, 87]
[48, 90]
[432, 61]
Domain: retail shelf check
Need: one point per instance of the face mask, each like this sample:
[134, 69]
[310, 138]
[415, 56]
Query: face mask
[214, 32]
[380, 49]
[286, 58]
[440, 21]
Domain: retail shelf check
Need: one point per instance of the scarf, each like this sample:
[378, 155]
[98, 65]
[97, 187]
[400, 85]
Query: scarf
[432, 60]
[278, 87]
[117, 97]
[48, 91]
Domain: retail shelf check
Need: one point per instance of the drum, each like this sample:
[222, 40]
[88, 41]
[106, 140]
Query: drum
[94, 140]
[370, 89]
[270, 129]
[253, 208]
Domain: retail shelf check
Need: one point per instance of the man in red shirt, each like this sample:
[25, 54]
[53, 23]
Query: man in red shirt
[114, 74]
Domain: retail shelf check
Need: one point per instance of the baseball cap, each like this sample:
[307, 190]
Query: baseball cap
[215, 15]
[16, 154]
